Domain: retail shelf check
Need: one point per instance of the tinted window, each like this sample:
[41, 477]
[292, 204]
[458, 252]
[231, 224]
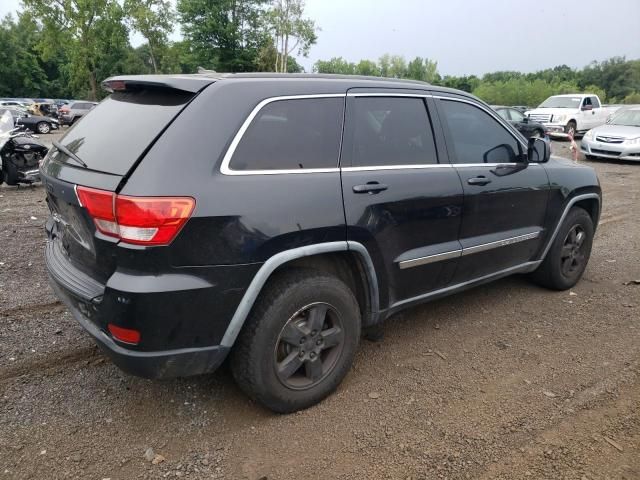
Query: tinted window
[595, 102]
[587, 101]
[114, 134]
[292, 135]
[477, 137]
[391, 131]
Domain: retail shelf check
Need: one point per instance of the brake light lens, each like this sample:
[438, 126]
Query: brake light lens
[125, 335]
[137, 220]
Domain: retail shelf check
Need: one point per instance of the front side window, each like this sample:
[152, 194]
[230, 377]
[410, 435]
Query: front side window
[587, 101]
[292, 135]
[387, 131]
[477, 137]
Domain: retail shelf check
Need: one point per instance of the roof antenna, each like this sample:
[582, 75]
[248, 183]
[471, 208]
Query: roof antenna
[204, 70]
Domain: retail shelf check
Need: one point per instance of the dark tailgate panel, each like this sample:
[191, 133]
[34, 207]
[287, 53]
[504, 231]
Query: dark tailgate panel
[110, 140]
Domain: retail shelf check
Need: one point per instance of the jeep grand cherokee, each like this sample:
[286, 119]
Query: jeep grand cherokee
[273, 218]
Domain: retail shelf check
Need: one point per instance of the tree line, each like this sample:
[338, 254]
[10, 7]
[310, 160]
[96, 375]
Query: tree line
[64, 48]
[615, 80]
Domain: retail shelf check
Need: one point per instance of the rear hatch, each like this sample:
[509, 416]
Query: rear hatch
[101, 152]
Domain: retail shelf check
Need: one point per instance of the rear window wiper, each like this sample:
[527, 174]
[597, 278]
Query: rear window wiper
[69, 153]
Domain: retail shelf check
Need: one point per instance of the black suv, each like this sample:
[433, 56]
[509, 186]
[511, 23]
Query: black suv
[276, 217]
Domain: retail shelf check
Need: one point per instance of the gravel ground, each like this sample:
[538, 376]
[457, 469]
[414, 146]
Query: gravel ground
[505, 381]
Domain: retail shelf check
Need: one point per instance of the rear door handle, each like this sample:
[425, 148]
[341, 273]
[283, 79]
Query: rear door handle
[370, 187]
[481, 180]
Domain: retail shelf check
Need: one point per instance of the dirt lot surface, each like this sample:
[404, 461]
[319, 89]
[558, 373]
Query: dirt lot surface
[504, 381]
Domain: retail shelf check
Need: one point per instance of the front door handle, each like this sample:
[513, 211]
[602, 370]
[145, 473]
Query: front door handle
[370, 187]
[481, 180]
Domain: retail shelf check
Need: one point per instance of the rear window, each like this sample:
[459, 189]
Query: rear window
[292, 135]
[113, 135]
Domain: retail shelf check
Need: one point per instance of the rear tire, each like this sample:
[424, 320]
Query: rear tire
[569, 254]
[298, 342]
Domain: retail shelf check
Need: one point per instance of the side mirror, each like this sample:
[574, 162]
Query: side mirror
[539, 151]
[586, 108]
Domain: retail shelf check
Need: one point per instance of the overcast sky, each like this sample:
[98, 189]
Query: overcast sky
[471, 36]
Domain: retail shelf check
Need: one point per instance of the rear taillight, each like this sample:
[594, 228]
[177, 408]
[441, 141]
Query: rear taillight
[137, 220]
[125, 335]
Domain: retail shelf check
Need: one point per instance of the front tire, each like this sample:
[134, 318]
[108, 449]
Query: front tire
[569, 254]
[43, 127]
[298, 342]
[571, 126]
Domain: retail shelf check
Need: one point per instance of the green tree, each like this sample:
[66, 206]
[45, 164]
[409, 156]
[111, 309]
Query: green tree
[154, 20]
[90, 32]
[336, 65]
[21, 72]
[424, 70]
[632, 98]
[292, 32]
[368, 68]
[225, 35]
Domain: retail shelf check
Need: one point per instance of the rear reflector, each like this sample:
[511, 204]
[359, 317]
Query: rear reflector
[137, 220]
[125, 335]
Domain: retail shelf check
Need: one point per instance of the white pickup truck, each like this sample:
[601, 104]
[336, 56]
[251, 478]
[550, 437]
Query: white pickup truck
[576, 111]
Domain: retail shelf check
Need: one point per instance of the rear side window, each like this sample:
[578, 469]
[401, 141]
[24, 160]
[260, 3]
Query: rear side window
[595, 102]
[292, 135]
[477, 137]
[387, 131]
[113, 135]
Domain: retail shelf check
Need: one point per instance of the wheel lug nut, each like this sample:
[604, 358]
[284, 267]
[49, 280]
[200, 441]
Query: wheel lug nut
[314, 333]
[319, 341]
[312, 355]
[301, 354]
[303, 339]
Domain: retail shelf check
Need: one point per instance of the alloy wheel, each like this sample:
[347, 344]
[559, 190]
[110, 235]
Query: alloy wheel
[573, 253]
[309, 346]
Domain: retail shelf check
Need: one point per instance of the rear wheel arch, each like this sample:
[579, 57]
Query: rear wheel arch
[350, 267]
[348, 261]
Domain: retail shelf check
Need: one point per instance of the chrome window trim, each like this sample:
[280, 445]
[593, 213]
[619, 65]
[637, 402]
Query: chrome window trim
[390, 94]
[396, 167]
[438, 257]
[491, 112]
[225, 169]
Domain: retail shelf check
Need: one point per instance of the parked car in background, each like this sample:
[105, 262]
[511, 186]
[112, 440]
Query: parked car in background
[520, 121]
[74, 111]
[618, 138]
[318, 206]
[44, 109]
[577, 113]
[37, 123]
[521, 108]
[14, 103]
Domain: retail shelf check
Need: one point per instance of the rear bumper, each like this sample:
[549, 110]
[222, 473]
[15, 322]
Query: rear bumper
[181, 324]
[182, 362]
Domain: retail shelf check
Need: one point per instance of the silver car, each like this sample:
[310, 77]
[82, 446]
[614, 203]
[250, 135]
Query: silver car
[618, 138]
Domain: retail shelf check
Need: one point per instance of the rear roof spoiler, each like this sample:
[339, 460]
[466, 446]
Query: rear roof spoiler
[187, 83]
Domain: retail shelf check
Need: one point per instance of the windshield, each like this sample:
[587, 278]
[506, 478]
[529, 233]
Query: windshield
[6, 122]
[630, 118]
[561, 102]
